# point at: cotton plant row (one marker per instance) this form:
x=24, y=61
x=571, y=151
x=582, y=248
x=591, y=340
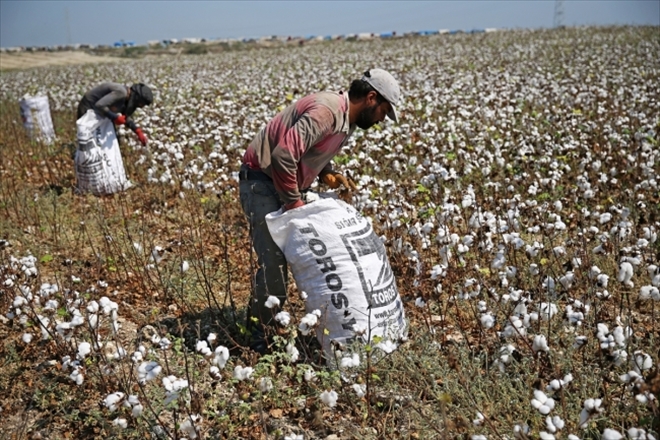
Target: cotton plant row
x=89, y=331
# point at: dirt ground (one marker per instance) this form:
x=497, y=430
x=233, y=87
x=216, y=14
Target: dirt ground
x=27, y=60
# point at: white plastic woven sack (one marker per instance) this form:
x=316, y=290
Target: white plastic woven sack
x=338, y=260
x=35, y=113
x=99, y=166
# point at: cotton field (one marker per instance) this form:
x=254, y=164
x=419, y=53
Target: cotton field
x=518, y=198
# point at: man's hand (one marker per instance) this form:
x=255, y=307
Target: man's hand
x=293, y=205
x=120, y=119
x=141, y=136
x=334, y=180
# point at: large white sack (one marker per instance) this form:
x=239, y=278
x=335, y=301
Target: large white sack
x=98, y=162
x=338, y=260
x=35, y=112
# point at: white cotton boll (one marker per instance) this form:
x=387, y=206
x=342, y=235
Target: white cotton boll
x=611, y=434
x=148, y=371
x=265, y=384
x=573, y=437
x=272, y=302
x=487, y=320
x=283, y=318
x=558, y=251
x=211, y=338
x=387, y=346
x=649, y=292
x=215, y=372
x=642, y=361
x=540, y=344
x=242, y=373
x=187, y=427
x=309, y=375
x=557, y=422
x=625, y=274
x=479, y=419
x=419, y=302
x=137, y=410
x=294, y=437
x=547, y=310
x=77, y=376
x=360, y=390
x=349, y=362
x=567, y=280
x=84, y=349
x=534, y=269
x=307, y=323
x=605, y=217
x=27, y=337
x=602, y=280
x=629, y=377
x=120, y=422
x=293, y=352
x=478, y=437
x=546, y=436
x=185, y=266
x=203, y=347
x=329, y=398
x=220, y=356
x=639, y=434
x=112, y=400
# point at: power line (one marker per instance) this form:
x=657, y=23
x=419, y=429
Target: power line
x=559, y=13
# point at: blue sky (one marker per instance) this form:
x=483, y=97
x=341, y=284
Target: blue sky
x=44, y=23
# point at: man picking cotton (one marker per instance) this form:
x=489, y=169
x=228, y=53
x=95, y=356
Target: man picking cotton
x=285, y=158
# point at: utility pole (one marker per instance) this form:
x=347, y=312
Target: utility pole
x=68, y=26
x=559, y=14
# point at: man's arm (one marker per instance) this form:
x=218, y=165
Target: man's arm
x=114, y=98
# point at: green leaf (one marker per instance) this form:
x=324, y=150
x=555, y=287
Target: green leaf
x=46, y=258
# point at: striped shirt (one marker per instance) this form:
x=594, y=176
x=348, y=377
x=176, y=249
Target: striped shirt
x=297, y=145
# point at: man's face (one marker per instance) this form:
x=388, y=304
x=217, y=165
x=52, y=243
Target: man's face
x=373, y=114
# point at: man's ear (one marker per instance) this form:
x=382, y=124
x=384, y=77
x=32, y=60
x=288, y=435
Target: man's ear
x=372, y=98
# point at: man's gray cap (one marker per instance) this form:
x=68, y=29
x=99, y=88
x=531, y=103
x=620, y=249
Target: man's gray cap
x=385, y=84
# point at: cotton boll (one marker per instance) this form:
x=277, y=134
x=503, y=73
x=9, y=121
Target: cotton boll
x=642, y=361
x=540, y=344
x=220, y=356
x=272, y=302
x=649, y=292
x=639, y=434
x=611, y=434
x=113, y=400
x=360, y=390
x=329, y=398
x=265, y=384
x=542, y=402
x=283, y=318
x=387, y=346
x=625, y=274
x=242, y=373
x=293, y=352
x=487, y=320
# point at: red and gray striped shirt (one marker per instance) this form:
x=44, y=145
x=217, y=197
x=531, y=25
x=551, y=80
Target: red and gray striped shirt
x=298, y=144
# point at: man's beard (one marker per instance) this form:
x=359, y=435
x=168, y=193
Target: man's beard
x=366, y=119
